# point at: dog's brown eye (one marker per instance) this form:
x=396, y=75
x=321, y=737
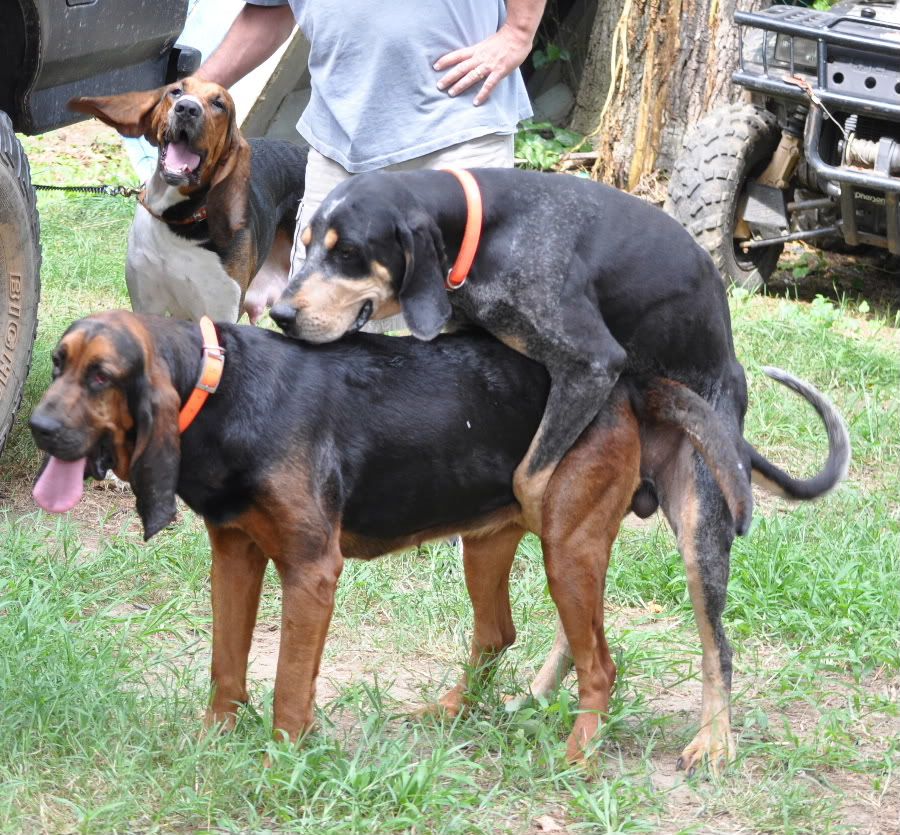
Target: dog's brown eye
x=98, y=379
x=219, y=104
x=176, y=92
x=57, y=366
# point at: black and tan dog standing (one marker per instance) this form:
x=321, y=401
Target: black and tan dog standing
x=589, y=281
x=308, y=455
x=212, y=234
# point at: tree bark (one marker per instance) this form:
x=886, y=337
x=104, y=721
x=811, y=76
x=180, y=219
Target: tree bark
x=653, y=69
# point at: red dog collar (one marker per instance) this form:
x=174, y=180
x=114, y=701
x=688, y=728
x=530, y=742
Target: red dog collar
x=210, y=375
x=459, y=273
x=196, y=217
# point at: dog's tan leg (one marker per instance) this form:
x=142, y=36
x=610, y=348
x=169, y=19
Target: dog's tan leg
x=308, y=589
x=530, y=488
x=588, y=496
x=272, y=277
x=584, y=361
x=238, y=567
x=704, y=529
x=487, y=562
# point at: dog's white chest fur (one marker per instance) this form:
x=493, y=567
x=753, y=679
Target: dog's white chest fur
x=167, y=274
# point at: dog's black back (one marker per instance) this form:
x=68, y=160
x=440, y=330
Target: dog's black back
x=278, y=179
x=401, y=435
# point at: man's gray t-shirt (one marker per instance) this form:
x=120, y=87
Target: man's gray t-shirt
x=375, y=100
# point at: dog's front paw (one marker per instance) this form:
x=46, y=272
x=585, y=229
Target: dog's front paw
x=450, y=705
x=223, y=721
x=586, y=728
x=112, y=482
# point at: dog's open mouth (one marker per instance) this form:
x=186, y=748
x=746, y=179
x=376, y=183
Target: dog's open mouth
x=178, y=160
x=60, y=485
x=365, y=313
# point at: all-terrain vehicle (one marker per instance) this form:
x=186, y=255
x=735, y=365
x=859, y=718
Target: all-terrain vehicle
x=49, y=52
x=814, y=155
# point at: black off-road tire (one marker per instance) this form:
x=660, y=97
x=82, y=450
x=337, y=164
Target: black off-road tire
x=729, y=146
x=20, y=269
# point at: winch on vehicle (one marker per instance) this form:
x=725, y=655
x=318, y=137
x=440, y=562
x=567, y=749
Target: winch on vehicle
x=814, y=156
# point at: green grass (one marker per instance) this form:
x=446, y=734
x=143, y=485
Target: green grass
x=104, y=668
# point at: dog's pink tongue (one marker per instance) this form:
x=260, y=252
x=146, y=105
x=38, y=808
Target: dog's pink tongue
x=60, y=485
x=180, y=159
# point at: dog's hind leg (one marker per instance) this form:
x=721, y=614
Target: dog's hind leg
x=238, y=567
x=554, y=669
x=586, y=500
x=584, y=362
x=699, y=515
x=487, y=560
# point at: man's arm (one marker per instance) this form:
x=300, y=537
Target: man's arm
x=495, y=57
x=255, y=35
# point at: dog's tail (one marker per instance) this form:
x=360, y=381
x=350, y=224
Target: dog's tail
x=668, y=402
x=777, y=481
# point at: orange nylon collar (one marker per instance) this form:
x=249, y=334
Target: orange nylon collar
x=210, y=375
x=459, y=273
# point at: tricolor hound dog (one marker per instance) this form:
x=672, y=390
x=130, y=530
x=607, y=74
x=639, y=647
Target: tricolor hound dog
x=212, y=234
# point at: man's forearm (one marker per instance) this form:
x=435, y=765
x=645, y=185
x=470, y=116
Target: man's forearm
x=524, y=16
x=255, y=35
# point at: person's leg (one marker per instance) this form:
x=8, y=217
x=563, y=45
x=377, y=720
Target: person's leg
x=491, y=151
x=322, y=175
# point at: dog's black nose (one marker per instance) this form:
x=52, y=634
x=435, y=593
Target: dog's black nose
x=43, y=427
x=283, y=315
x=186, y=107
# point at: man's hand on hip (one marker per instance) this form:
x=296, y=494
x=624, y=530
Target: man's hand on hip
x=488, y=61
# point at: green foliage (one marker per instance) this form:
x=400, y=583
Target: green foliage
x=539, y=145
x=549, y=55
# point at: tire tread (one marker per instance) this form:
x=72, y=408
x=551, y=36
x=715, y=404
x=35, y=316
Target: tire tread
x=708, y=172
x=12, y=156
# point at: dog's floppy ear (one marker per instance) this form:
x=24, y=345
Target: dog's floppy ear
x=423, y=296
x=155, y=462
x=228, y=198
x=131, y=114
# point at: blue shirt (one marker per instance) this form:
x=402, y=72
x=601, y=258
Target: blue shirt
x=375, y=100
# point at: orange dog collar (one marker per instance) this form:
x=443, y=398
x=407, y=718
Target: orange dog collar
x=210, y=375
x=459, y=273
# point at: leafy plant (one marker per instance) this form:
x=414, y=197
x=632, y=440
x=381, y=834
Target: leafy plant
x=539, y=145
x=553, y=53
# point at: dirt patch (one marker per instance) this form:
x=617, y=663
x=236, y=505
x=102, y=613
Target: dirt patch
x=870, y=274
x=91, y=146
x=403, y=680
x=106, y=510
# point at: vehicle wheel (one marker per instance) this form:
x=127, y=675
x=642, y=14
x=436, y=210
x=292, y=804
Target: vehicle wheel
x=20, y=265
x=728, y=147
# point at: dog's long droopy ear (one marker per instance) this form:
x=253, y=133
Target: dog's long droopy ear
x=153, y=473
x=131, y=114
x=423, y=296
x=228, y=200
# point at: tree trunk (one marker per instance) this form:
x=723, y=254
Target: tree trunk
x=654, y=68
